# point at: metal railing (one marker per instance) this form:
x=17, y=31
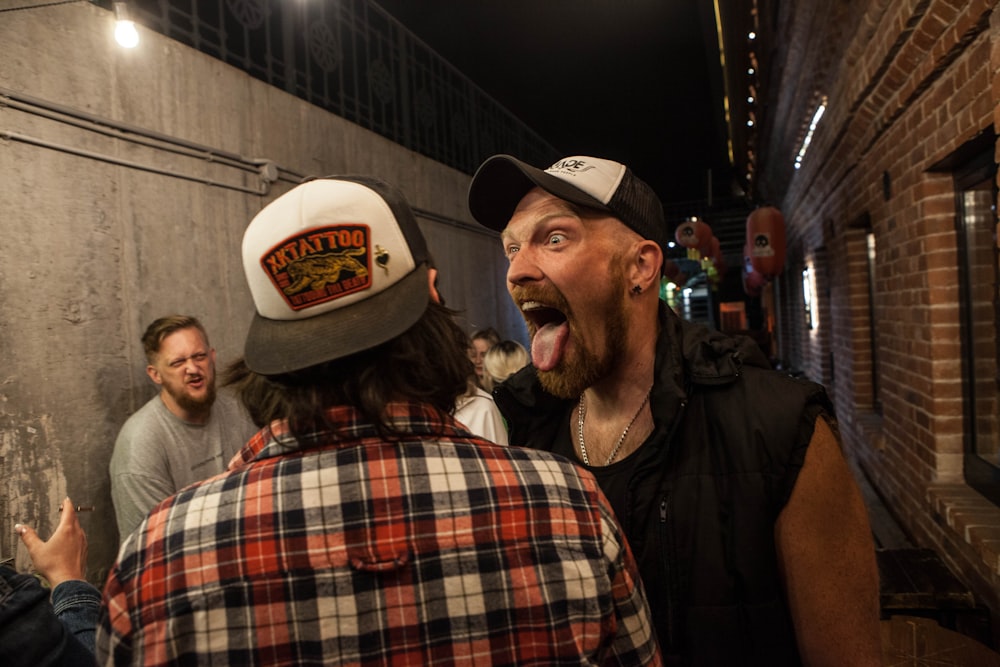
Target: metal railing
x=353, y=59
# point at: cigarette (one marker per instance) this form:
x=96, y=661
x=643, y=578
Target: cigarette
x=82, y=508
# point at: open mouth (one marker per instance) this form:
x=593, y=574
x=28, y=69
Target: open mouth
x=538, y=315
x=549, y=333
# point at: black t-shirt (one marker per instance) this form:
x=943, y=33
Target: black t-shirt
x=613, y=479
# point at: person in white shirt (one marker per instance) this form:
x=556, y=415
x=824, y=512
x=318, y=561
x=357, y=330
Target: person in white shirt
x=477, y=411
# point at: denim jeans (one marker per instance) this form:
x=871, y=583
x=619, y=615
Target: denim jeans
x=35, y=631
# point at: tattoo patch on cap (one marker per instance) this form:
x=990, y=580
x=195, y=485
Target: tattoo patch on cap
x=320, y=265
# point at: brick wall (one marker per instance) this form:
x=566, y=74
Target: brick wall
x=917, y=81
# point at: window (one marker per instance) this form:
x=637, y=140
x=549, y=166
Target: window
x=976, y=199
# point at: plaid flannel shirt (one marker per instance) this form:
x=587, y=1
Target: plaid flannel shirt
x=438, y=548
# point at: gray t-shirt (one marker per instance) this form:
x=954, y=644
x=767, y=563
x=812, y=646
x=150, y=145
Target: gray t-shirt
x=157, y=454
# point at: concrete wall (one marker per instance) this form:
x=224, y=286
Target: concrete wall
x=912, y=82
x=95, y=243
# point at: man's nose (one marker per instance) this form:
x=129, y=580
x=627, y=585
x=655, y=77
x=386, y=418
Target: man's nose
x=523, y=268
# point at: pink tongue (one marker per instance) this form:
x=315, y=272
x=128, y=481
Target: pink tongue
x=548, y=344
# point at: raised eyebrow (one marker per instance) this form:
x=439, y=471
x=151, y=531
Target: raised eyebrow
x=555, y=226
x=540, y=224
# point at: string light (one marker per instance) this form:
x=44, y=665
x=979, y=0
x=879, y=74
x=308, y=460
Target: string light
x=753, y=70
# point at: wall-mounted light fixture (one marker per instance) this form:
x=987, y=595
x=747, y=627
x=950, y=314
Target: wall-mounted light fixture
x=809, y=297
x=125, y=33
x=817, y=115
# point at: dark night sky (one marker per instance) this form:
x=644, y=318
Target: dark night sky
x=634, y=80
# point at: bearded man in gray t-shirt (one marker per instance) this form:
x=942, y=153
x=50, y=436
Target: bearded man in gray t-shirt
x=184, y=434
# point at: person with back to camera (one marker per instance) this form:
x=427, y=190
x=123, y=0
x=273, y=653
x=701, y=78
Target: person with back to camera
x=363, y=525
x=751, y=534
x=53, y=626
x=504, y=359
x=186, y=433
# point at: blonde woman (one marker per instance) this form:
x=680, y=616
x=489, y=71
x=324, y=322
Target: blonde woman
x=504, y=359
x=480, y=342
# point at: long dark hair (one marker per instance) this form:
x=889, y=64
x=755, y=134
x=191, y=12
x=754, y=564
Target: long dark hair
x=428, y=364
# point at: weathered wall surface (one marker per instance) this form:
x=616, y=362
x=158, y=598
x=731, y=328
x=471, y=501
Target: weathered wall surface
x=917, y=81
x=92, y=250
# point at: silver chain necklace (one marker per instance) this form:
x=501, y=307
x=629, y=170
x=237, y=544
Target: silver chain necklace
x=581, y=413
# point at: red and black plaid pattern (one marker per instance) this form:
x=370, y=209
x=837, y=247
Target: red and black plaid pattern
x=436, y=549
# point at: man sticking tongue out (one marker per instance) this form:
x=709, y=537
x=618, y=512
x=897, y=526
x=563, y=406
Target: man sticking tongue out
x=549, y=344
x=690, y=433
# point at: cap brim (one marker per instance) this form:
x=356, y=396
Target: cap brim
x=502, y=181
x=274, y=347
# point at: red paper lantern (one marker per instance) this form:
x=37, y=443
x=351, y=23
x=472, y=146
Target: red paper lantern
x=766, y=241
x=693, y=233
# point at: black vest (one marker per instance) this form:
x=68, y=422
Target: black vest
x=705, y=490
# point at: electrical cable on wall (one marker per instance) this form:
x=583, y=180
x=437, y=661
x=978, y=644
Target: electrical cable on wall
x=45, y=4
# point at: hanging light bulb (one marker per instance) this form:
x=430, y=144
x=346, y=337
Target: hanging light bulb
x=125, y=33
